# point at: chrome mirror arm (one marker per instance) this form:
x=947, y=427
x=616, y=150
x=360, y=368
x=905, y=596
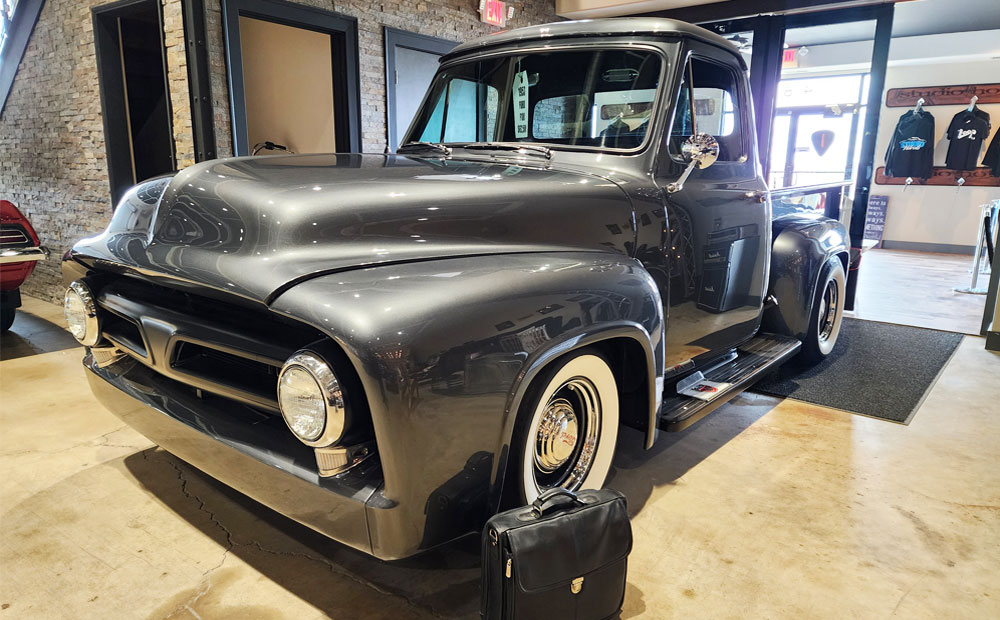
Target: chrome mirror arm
x=678, y=185
x=700, y=150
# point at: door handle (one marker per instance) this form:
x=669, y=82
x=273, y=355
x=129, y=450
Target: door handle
x=755, y=196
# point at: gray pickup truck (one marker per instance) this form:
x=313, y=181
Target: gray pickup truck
x=574, y=235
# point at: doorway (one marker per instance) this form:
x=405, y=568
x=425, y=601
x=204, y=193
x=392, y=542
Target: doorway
x=132, y=75
x=293, y=76
x=411, y=60
x=288, y=82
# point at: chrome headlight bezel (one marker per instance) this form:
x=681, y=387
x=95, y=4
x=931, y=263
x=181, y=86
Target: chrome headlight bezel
x=91, y=319
x=331, y=392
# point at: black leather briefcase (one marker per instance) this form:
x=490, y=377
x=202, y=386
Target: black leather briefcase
x=563, y=557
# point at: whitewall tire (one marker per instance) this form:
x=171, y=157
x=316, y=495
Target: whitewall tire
x=827, y=313
x=568, y=427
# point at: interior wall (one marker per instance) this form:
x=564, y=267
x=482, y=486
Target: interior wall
x=922, y=217
x=288, y=81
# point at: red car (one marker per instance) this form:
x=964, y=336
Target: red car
x=19, y=251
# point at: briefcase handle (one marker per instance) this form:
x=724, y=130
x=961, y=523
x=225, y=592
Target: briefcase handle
x=545, y=500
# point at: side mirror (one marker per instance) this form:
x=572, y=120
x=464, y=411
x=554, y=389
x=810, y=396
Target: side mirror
x=700, y=151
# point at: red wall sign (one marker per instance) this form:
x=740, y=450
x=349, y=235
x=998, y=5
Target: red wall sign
x=493, y=12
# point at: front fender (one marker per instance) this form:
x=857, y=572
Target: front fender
x=801, y=245
x=446, y=349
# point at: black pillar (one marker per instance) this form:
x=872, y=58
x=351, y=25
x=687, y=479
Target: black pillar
x=880, y=59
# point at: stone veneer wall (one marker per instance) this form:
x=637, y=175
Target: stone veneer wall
x=52, y=153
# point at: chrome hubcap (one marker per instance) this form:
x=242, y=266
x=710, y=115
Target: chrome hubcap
x=828, y=311
x=566, y=440
x=557, y=435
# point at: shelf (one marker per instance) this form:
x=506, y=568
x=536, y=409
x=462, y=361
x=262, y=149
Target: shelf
x=980, y=177
x=942, y=95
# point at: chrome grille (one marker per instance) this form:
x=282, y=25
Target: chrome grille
x=224, y=349
x=14, y=236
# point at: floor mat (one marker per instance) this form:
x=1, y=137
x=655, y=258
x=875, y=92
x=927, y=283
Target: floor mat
x=877, y=369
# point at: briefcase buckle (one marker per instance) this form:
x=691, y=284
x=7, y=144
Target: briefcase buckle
x=576, y=585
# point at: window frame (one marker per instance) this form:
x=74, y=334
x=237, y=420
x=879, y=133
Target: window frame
x=741, y=102
x=655, y=128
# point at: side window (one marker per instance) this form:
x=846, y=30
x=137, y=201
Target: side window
x=716, y=109
x=456, y=113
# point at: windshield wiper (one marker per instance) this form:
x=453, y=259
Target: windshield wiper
x=522, y=148
x=412, y=147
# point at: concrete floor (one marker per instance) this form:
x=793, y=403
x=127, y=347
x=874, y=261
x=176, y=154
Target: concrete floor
x=765, y=509
x=918, y=289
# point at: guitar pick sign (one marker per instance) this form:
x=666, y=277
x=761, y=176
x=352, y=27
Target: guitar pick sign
x=822, y=140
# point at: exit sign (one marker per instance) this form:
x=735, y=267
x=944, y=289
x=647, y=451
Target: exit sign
x=495, y=12
x=789, y=58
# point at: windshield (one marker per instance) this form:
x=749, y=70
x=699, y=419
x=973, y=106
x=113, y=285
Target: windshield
x=593, y=98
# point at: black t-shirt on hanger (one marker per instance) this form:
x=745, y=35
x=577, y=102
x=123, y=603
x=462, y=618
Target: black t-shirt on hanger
x=992, y=157
x=967, y=132
x=911, y=149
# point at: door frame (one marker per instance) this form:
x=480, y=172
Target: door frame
x=765, y=72
x=395, y=38
x=114, y=103
x=343, y=31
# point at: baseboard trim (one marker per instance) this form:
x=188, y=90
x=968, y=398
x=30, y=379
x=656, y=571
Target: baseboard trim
x=937, y=248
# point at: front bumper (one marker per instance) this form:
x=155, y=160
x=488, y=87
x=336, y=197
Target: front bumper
x=247, y=453
x=23, y=255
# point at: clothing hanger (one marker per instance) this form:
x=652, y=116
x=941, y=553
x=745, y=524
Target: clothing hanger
x=972, y=103
x=920, y=105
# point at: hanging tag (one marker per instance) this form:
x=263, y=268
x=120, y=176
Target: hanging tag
x=520, y=92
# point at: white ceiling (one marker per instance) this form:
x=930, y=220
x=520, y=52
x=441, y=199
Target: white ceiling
x=911, y=19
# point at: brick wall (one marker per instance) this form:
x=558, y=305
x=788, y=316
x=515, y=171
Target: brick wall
x=52, y=157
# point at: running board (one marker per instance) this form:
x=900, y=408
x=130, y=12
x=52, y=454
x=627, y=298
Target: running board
x=752, y=360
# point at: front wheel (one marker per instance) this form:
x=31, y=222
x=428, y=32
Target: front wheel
x=568, y=427
x=827, y=314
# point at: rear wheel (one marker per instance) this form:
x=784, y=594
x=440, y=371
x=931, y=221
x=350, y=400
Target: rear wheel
x=827, y=314
x=567, y=428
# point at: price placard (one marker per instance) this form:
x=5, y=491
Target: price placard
x=520, y=92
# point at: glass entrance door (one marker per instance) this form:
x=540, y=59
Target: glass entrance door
x=809, y=75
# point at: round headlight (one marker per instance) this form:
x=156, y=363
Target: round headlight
x=311, y=400
x=81, y=314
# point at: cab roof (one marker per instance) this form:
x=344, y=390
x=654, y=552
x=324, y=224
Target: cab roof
x=610, y=27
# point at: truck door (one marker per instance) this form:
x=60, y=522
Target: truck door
x=718, y=223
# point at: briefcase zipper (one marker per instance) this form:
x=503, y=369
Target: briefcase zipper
x=509, y=563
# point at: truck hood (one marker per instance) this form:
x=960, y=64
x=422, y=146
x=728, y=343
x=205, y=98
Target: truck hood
x=252, y=226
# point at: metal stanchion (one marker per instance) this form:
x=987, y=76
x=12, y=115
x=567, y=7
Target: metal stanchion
x=987, y=228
